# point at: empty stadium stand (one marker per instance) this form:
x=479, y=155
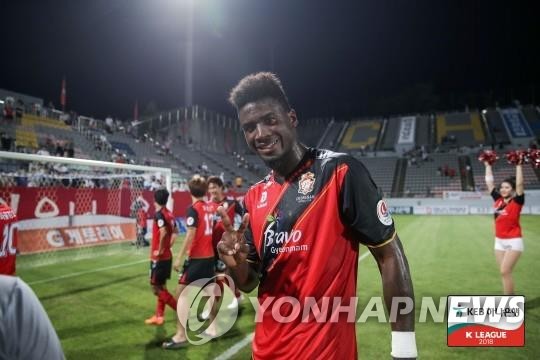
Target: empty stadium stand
x=390, y=133
x=496, y=126
x=464, y=127
x=361, y=135
x=423, y=179
x=381, y=170
x=423, y=129
x=533, y=118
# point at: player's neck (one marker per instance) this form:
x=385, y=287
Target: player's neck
x=195, y=199
x=284, y=166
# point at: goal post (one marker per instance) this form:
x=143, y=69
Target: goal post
x=75, y=208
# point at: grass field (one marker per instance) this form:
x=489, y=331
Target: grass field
x=98, y=305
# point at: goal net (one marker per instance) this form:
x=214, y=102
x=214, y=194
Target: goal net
x=76, y=208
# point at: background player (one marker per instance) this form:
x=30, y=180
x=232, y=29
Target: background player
x=326, y=204
x=164, y=229
x=234, y=210
x=509, y=200
x=8, y=243
x=197, y=245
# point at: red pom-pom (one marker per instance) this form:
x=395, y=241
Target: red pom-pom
x=517, y=157
x=488, y=156
x=534, y=158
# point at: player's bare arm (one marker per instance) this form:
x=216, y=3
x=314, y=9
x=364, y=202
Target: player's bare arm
x=396, y=280
x=233, y=251
x=190, y=235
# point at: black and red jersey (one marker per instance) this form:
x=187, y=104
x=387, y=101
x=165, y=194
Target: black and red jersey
x=507, y=215
x=304, y=234
x=199, y=216
x=234, y=211
x=8, y=240
x=163, y=218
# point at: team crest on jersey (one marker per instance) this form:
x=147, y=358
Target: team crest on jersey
x=383, y=214
x=305, y=185
x=262, y=201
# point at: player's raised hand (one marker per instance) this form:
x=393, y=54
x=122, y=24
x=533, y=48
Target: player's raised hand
x=232, y=248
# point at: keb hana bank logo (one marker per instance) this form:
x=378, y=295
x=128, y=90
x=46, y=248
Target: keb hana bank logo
x=486, y=321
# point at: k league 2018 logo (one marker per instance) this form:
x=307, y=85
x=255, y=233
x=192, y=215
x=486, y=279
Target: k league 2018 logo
x=486, y=321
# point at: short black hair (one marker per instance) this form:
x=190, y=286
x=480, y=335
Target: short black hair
x=215, y=180
x=197, y=186
x=258, y=86
x=511, y=180
x=161, y=196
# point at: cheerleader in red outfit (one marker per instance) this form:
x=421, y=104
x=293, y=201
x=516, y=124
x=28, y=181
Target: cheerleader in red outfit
x=509, y=199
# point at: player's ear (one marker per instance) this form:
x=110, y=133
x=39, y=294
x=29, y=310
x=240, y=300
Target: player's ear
x=293, y=118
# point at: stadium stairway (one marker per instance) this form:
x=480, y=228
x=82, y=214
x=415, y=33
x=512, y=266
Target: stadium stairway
x=398, y=180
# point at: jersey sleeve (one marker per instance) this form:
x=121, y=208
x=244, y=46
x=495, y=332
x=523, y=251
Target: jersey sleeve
x=160, y=219
x=520, y=199
x=495, y=195
x=192, y=218
x=362, y=207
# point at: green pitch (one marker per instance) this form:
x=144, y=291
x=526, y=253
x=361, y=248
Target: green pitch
x=98, y=304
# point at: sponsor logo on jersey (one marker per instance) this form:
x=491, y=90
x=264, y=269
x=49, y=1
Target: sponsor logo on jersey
x=160, y=223
x=383, y=214
x=282, y=241
x=305, y=185
x=190, y=221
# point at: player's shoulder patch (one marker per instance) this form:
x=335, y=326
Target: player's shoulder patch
x=383, y=213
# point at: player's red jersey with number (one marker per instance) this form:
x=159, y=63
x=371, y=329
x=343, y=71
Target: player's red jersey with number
x=304, y=233
x=8, y=244
x=199, y=216
x=162, y=219
x=234, y=211
x=507, y=216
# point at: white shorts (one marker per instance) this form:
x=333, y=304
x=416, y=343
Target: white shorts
x=515, y=244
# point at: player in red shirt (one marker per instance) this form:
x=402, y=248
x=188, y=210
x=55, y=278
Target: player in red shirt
x=509, y=200
x=301, y=236
x=163, y=232
x=8, y=244
x=141, y=226
x=197, y=246
x=234, y=210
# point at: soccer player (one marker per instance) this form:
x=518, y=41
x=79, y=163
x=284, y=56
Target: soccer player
x=199, y=263
x=163, y=232
x=8, y=242
x=301, y=235
x=234, y=211
x=509, y=200
x=141, y=225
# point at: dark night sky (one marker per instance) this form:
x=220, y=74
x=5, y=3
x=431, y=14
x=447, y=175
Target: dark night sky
x=338, y=58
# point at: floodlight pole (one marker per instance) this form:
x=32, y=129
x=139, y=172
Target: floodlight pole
x=188, y=81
